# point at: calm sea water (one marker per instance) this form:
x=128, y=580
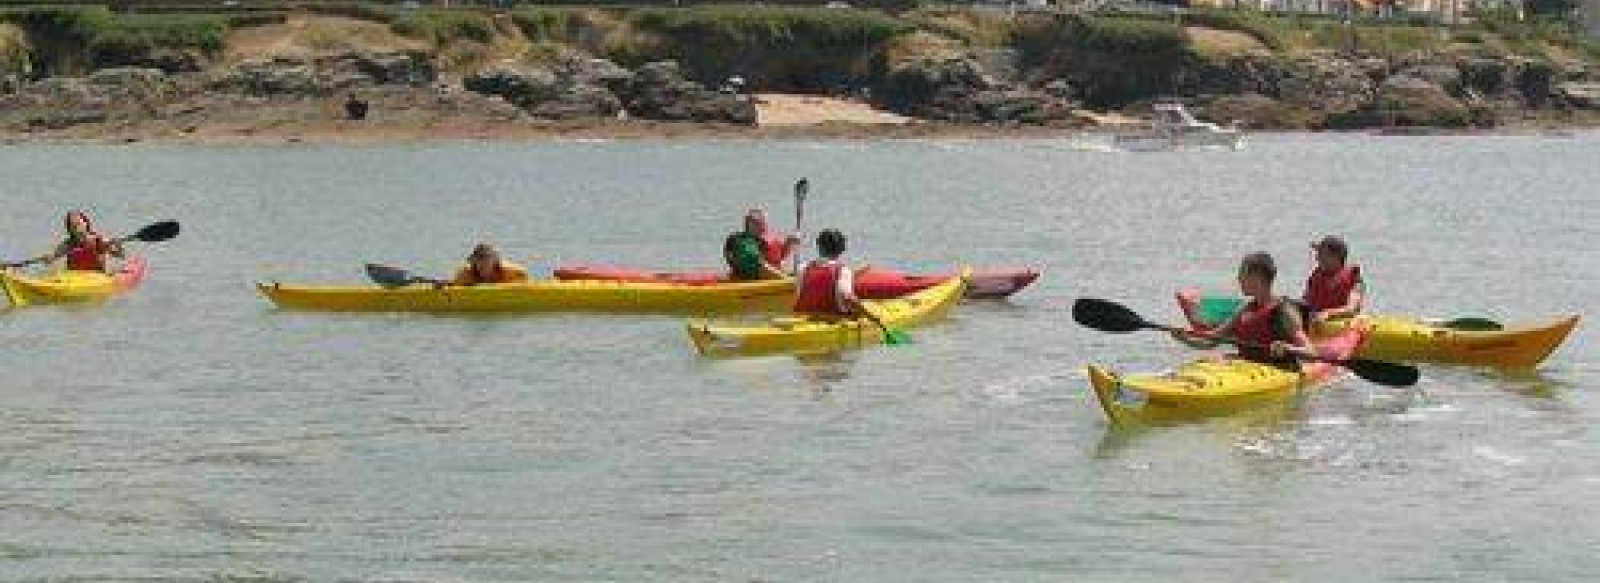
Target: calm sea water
x=190, y=432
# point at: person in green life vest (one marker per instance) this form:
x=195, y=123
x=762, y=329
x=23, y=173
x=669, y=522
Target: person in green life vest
x=746, y=251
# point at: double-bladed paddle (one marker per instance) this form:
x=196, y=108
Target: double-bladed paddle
x=387, y=276
x=152, y=233
x=1108, y=316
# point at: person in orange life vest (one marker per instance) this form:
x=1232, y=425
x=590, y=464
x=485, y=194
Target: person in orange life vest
x=1335, y=288
x=749, y=253
x=84, y=248
x=827, y=286
x=484, y=266
x=1265, y=320
x=774, y=245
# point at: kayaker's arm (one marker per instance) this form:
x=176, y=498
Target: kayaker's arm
x=1300, y=342
x=1351, y=307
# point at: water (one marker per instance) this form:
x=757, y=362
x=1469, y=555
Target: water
x=189, y=432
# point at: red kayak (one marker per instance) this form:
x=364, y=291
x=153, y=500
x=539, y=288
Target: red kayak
x=872, y=283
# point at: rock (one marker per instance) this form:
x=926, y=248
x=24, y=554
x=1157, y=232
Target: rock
x=519, y=85
x=579, y=101
x=958, y=89
x=1407, y=101
x=659, y=91
x=131, y=84
x=1446, y=77
x=60, y=120
x=1257, y=111
x=269, y=77
x=1579, y=94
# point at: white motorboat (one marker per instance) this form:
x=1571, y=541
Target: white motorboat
x=1172, y=127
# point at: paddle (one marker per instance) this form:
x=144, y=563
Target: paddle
x=801, y=188
x=1107, y=316
x=387, y=276
x=152, y=233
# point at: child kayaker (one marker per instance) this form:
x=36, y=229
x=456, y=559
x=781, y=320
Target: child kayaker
x=84, y=248
x=753, y=253
x=827, y=286
x=1271, y=324
x=1335, y=288
x=484, y=266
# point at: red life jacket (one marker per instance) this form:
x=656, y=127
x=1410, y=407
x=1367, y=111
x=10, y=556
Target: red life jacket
x=1326, y=290
x=89, y=256
x=1258, y=323
x=818, y=291
x=774, y=247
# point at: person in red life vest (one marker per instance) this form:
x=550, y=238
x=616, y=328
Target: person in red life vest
x=1265, y=320
x=827, y=287
x=84, y=248
x=775, y=246
x=1335, y=288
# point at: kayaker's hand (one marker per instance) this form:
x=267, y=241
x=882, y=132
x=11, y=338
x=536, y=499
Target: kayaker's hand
x=1320, y=316
x=1280, y=349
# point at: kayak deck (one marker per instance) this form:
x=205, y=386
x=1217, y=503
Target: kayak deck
x=808, y=335
x=537, y=297
x=71, y=287
x=871, y=283
x=1207, y=388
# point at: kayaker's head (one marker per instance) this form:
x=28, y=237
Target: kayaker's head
x=755, y=222
x=1331, y=252
x=1256, y=272
x=79, y=229
x=485, y=260
x=830, y=243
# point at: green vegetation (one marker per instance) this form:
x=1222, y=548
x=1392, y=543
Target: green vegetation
x=67, y=39
x=772, y=27
x=445, y=26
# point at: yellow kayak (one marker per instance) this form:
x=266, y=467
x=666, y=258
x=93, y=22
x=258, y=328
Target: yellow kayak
x=1403, y=339
x=802, y=334
x=71, y=287
x=1205, y=388
x=1409, y=340
x=537, y=297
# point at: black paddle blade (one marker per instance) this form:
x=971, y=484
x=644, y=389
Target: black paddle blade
x=1473, y=324
x=157, y=232
x=1383, y=373
x=388, y=276
x=1107, y=316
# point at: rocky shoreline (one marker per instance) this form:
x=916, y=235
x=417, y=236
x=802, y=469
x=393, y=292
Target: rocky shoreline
x=1056, y=84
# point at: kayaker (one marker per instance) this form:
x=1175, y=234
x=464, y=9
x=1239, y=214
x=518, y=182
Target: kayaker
x=1265, y=320
x=84, y=248
x=1335, y=288
x=827, y=286
x=749, y=252
x=484, y=266
x=774, y=245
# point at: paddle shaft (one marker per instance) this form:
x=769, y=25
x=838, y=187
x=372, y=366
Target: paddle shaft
x=800, y=190
x=45, y=258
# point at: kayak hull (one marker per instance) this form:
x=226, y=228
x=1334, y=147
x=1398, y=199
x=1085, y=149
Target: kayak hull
x=537, y=297
x=807, y=335
x=1402, y=339
x=1210, y=388
x=871, y=283
x=72, y=287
